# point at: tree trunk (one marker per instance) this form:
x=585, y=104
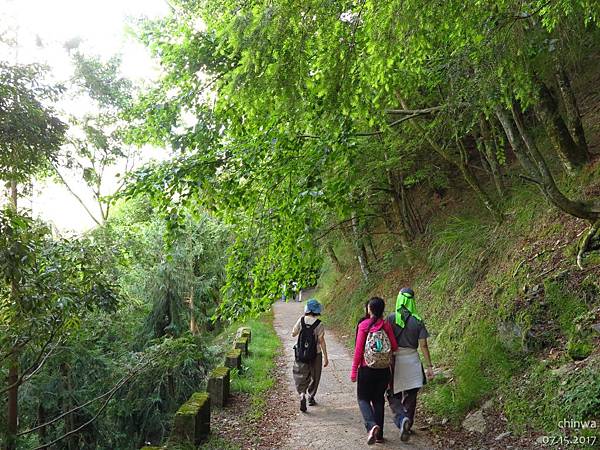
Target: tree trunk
x=388, y=219
x=171, y=391
x=473, y=182
x=333, y=257
x=13, y=194
x=67, y=405
x=396, y=202
x=462, y=165
x=371, y=247
x=363, y=260
x=569, y=153
x=490, y=155
x=415, y=216
x=515, y=141
x=13, y=403
x=13, y=369
x=589, y=210
x=193, y=324
x=400, y=195
x=571, y=109
x=41, y=418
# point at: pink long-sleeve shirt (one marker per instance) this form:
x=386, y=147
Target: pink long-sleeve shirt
x=361, y=338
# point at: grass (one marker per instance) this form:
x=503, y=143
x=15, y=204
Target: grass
x=218, y=443
x=256, y=377
x=543, y=398
x=479, y=366
x=472, y=278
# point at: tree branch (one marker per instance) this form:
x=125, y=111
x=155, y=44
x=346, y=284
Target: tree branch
x=110, y=393
x=17, y=347
x=339, y=224
x=416, y=111
x=530, y=179
x=392, y=124
x=36, y=366
x=78, y=429
x=77, y=197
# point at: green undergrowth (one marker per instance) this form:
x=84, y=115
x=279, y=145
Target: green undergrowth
x=545, y=396
x=498, y=299
x=256, y=376
x=218, y=443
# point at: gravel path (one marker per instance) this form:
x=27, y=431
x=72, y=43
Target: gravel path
x=335, y=423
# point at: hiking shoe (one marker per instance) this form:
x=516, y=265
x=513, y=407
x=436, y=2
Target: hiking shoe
x=303, y=404
x=404, y=432
x=311, y=401
x=380, y=440
x=372, y=437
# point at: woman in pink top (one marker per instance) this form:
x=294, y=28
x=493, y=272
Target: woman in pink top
x=372, y=383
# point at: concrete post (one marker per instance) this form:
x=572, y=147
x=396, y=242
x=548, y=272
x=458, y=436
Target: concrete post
x=192, y=421
x=218, y=386
x=233, y=359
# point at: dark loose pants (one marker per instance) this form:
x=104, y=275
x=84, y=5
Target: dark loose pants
x=308, y=375
x=371, y=385
x=404, y=404
x=372, y=412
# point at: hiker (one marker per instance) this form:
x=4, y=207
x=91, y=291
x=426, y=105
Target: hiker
x=375, y=342
x=283, y=292
x=310, y=352
x=408, y=374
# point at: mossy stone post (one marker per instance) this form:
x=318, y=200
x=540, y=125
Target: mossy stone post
x=242, y=344
x=192, y=421
x=233, y=359
x=218, y=386
x=245, y=332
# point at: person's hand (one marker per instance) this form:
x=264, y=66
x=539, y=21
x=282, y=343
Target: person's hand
x=429, y=373
x=325, y=362
x=353, y=379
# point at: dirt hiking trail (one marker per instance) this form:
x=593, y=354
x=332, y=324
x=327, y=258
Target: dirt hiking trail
x=336, y=422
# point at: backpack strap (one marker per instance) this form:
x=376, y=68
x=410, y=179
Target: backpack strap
x=312, y=327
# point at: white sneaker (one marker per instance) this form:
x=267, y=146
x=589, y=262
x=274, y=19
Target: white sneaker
x=404, y=432
x=372, y=437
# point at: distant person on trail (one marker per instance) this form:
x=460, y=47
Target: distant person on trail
x=409, y=377
x=295, y=291
x=310, y=352
x=283, y=292
x=375, y=342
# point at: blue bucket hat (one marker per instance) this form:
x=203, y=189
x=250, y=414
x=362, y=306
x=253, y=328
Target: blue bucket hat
x=312, y=306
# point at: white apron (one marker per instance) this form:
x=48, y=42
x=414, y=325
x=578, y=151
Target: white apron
x=408, y=373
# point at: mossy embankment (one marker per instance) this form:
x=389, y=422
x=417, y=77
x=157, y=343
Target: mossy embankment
x=509, y=311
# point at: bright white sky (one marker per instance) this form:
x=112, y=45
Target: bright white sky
x=102, y=25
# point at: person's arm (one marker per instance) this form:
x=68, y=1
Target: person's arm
x=425, y=350
x=390, y=333
x=324, y=350
x=296, y=329
x=359, y=347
